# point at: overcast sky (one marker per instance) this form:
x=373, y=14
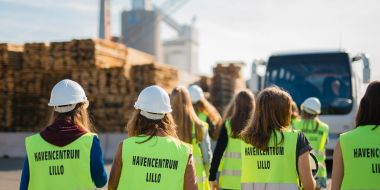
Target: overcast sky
x=228, y=29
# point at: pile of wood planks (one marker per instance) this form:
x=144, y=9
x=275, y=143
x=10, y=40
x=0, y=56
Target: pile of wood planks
x=149, y=74
x=10, y=62
x=111, y=78
x=10, y=56
x=225, y=83
x=6, y=112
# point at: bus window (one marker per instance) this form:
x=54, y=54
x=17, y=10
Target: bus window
x=325, y=76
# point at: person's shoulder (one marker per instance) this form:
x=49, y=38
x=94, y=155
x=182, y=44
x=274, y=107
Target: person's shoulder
x=180, y=145
x=351, y=132
x=324, y=125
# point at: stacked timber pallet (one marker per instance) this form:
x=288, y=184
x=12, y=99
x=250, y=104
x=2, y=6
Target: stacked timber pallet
x=36, y=56
x=97, y=65
x=227, y=81
x=113, y=95
x=10, y=62
x=110, y=77
x=150, y=74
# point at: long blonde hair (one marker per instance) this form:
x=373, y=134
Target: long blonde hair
x=273, y=113
x=184, y=115
x=140, y=125
x=79, y=116
x=207, y=108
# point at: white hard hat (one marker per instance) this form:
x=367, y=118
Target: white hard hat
x=311, y=105
x=65, y=95
x=153, y=102
x=196, y=93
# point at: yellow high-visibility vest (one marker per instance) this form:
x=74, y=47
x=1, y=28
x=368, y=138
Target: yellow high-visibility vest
x=361, y=158
x=272, y=168
x=158, y=163
x=53, y=167
x=230, y=170
x=200, y=170
x=317, y=139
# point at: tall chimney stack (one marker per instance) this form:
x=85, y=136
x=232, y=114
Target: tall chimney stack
x=104, y=20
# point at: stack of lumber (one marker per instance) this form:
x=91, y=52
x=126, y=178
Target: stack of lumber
x=36, y=56
x=30, y=113
x=100, y=53
x=227, y=81
x=7, y=81
x=111, y=78
x=154, y=73
x=5, y=112
x=10, y=62
x=113, y=97
x=10, y=56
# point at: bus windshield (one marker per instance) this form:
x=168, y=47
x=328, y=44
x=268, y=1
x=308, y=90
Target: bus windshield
x=326, y=76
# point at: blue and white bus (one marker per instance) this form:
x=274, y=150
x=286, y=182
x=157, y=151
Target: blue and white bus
x=332, y=76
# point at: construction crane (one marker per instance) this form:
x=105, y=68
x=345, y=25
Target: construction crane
x=141, y=30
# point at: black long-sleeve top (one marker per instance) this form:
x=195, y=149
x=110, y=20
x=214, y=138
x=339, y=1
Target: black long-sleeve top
x=221, y=146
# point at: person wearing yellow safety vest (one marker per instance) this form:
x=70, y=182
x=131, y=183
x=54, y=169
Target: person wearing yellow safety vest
x=192, y=130
x=65, y=154
x=227, y=154
x=295, y=115
x=317, y=133
x=357, y=153
x=205, y=111
x=273, y=155
x=152, y=157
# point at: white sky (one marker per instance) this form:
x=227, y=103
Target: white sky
x=228, y=29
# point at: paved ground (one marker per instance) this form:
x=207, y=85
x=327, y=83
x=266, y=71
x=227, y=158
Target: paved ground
x=10, y=172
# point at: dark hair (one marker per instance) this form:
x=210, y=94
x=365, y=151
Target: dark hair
x=239, y=111
x=272, y=113
x=369, y=108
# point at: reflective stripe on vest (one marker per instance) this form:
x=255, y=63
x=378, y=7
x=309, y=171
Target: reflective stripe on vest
x=361, y=158
x=226, y=172
x=53, y=167
x=317, y=139
x=277, y=165
x=230, y=170
x=200, y=171
x=159, y=163
x=268, y=186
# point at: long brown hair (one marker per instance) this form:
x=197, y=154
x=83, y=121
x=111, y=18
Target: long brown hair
x=295, y=111
x=140, y=125
x=79, y=116
x=369, y=108
x=207, y=108
x=185, y=116
x=273, y=110
x=239, y=111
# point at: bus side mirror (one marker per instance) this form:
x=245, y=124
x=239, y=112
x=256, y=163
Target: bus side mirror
x=366, y=66
x=366, y=69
